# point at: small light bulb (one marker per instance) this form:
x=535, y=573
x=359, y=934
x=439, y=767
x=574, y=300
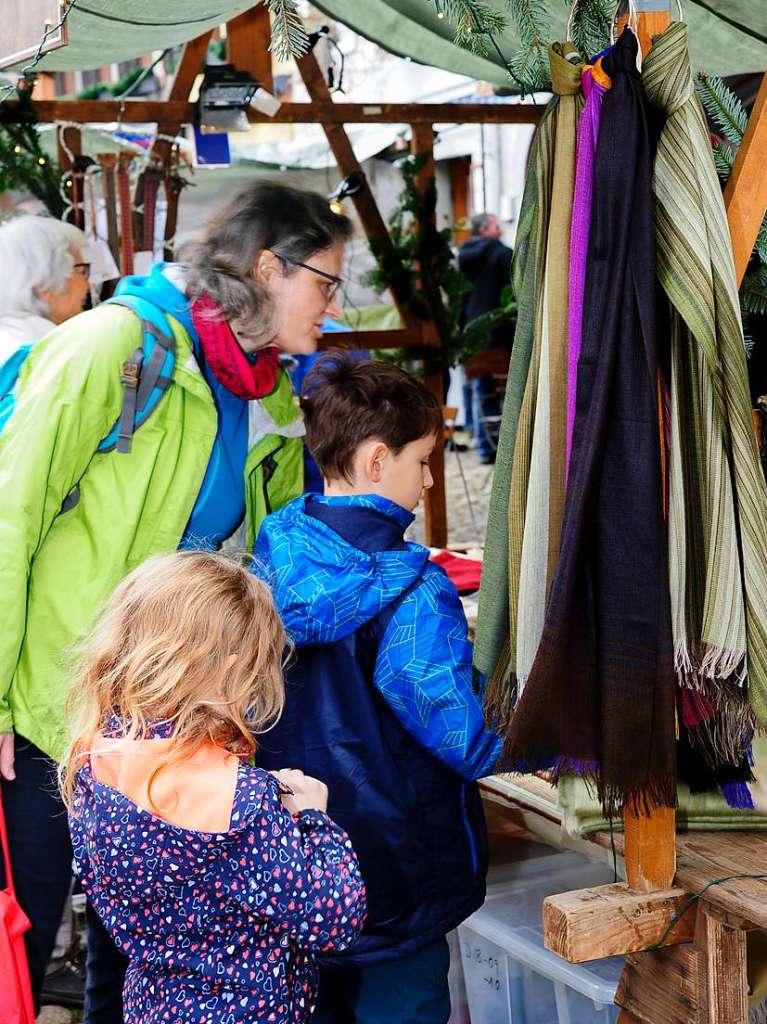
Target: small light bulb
x=17, y=149
x=336, y=207
x=69, y=184
x=41, y=160
x=440, y=14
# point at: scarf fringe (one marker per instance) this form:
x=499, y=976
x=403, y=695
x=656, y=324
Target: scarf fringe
x=738, y=795
x=699, y=665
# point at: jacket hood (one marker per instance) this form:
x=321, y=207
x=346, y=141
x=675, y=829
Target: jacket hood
x=158, y=288
x=473, y=254
x=325, y=586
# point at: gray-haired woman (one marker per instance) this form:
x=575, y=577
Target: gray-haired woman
x=75, y=519
x=43, y=279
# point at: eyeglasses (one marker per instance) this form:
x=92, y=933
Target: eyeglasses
x=331, y=289
x=83, y=269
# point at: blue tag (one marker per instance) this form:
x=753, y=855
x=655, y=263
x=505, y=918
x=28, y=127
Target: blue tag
x=212, y=148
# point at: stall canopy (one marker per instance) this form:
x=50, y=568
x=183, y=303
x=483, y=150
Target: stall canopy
x=727, y=36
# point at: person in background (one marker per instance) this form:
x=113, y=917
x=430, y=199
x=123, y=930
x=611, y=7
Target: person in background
x=43, y=279
x=380, y=698
x=222, y=445
x=219, y=881
x=486, y=262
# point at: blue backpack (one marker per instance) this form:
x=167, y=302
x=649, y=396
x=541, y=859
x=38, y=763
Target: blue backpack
x=146, y=376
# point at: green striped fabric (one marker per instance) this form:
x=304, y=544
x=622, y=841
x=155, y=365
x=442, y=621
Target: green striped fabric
x=717, y=493
x=491, y=651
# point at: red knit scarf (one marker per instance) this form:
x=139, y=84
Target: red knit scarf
x=227, y=360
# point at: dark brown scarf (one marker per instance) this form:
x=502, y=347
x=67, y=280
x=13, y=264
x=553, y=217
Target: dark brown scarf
x=600, y=697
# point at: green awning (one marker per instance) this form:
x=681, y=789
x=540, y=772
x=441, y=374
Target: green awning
x=727, y=37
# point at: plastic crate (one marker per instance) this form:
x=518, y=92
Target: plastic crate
x=510, y=977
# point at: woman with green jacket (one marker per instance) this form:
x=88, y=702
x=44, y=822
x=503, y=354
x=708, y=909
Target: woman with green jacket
x=91, y=485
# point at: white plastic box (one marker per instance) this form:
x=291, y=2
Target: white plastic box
x=510, y=977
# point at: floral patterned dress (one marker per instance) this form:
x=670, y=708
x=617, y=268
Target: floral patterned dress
x=221, y=927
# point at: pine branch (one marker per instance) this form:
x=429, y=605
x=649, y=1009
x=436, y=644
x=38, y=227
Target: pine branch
x=289, y=38
x=474, y=23
x=531, y=62
x=590, y=26
x=723, y=107
x=753, y=292
x=723, y=159
x=760, y=246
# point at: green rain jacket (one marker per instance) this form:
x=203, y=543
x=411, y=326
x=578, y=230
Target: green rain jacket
x=58, y=568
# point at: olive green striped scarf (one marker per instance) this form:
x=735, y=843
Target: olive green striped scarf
x=717, y=495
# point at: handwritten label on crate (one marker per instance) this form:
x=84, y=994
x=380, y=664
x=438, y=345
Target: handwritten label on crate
x=485, y=962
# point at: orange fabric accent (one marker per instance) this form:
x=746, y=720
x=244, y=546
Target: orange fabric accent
x=600, y=75
x=196, y=793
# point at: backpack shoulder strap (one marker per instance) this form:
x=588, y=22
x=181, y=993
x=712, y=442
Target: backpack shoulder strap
x=147, y=375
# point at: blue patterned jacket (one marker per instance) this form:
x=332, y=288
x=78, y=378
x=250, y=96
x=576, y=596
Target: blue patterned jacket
x=381, y=706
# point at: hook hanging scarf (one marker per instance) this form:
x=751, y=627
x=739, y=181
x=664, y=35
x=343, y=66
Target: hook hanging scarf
x=246, y=378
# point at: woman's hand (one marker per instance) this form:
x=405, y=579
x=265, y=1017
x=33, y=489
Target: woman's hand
x=6, y=756
x=301, y=792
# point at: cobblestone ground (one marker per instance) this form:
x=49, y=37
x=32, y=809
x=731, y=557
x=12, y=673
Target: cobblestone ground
x=462, y=499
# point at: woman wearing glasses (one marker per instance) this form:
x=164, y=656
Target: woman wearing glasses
x=220, y=444
x=43, y=279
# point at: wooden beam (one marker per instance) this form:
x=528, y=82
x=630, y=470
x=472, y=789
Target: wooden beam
x=726, y=976
x=612, y=920
x=138, y=111
x=664, y=987
x=435, y=500
x=343, y=153
x=402, y=337
x=745, y=196
x=247, y=44
x=171, y=117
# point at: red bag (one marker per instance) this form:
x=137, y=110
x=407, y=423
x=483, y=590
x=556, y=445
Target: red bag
x=16, y=1003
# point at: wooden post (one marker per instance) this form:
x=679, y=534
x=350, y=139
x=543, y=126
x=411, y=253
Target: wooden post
x=745, y=196
x=70, y=141
x=726, y=978
x=343, y=153
x=650, y=837
x=247, y=44
x=435, y=502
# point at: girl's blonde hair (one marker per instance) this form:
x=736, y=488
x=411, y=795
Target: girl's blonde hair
x=191, y=638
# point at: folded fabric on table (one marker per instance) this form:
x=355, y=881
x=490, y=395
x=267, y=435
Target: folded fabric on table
x=464, y=573
x=582, y=814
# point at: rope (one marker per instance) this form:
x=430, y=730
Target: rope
x=677, y=915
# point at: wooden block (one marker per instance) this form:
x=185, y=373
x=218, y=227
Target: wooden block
x=650, y=848
x=612, y=920
x=726, y=977
x=668, y=985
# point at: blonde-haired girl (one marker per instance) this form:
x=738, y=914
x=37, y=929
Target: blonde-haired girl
x=218, y=880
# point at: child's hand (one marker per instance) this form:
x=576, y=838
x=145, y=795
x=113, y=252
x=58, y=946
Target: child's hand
x=305, y=793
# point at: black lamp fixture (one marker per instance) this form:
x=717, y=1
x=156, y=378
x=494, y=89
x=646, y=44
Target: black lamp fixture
x=225, y=94
x=350, y=186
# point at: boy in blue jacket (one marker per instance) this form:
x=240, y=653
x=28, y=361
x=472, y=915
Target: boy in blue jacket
x=380, y=700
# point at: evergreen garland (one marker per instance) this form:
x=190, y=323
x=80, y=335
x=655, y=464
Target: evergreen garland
x=24, y=165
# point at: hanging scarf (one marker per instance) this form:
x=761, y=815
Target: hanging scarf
x=492, y=653
x=539, y=459
x=246, y=378
x=595, y=85
x=718, y=502
x=600, y=696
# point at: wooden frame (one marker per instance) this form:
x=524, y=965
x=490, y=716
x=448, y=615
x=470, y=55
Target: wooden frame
x=248, y=37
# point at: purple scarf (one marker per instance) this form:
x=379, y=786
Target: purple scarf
x=588, y=136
